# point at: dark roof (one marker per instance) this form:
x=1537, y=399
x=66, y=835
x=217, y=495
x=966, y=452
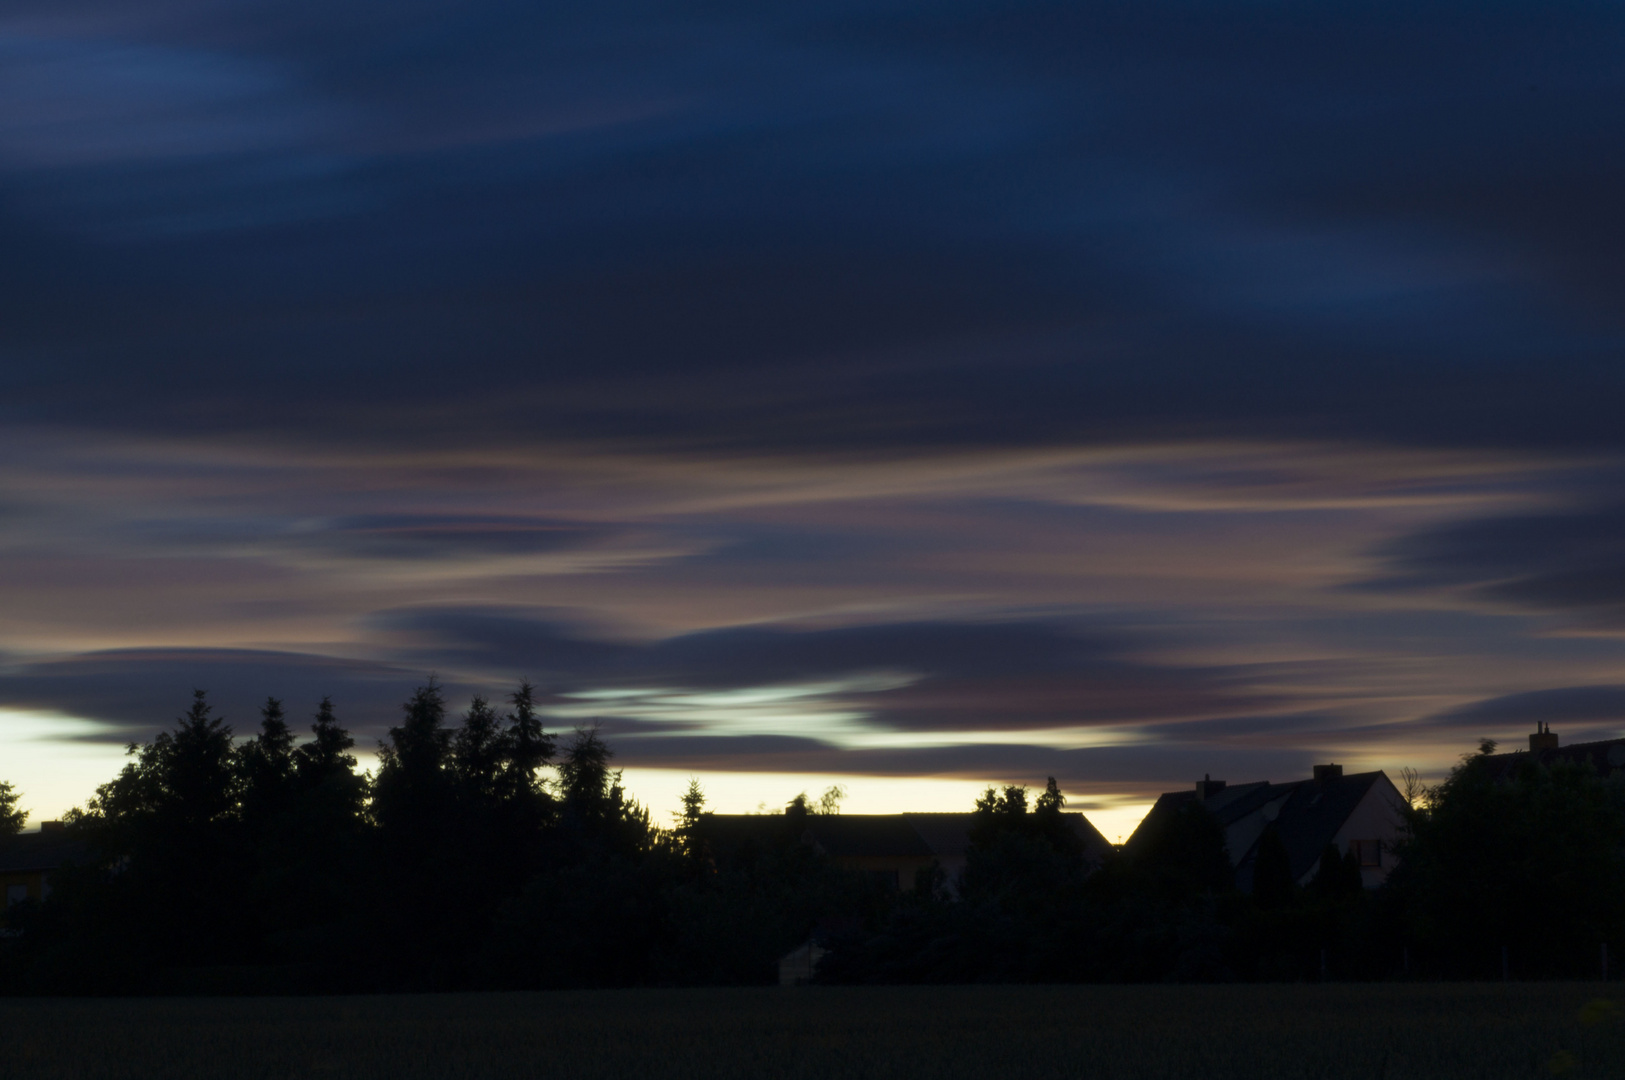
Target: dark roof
x=942, y=836
x=1606, y=756
x=948, y=835
x=1308, y=820
x=1227, y=806
x=39, y=851
x=859, y=835
x=1312, y=815
x=731, y=834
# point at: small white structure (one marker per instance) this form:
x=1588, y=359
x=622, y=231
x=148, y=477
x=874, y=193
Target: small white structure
x=798, y=966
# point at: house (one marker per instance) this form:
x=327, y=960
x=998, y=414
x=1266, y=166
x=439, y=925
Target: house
x=28, y=860
x=1360, y=812
x=890, y=848
x=886, y=848
x=1606, y=756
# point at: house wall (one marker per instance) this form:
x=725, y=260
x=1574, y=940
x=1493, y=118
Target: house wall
x=1377, y=817
x=905, y=867
x=799, y=965
x=953, y=867
x=32, y=882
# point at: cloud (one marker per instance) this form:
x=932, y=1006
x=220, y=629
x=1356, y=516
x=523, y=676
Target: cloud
x=67, y=102
x=135, y=693
x=1568, y=707
x=1571, y=562
x=127, y=139
x=440, y=536
x=891, y=684
x=899, y=682
x=1142, y=767
x=855, y=372
x=680, y=225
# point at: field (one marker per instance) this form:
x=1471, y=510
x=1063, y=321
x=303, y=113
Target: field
x=1436, y=1032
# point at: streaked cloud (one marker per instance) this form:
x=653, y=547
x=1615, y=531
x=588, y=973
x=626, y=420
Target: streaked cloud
x=968, y=391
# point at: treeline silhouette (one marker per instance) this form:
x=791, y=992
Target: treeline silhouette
x=481, y=855
x=484, y=854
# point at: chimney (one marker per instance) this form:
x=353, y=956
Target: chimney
x=1328, y=772
x=50, y=826
x=1542, y=738
x=1208, y=786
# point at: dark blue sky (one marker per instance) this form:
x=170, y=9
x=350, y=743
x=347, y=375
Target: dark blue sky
x=1088, y=388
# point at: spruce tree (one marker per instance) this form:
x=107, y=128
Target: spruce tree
x=479, y=752
x=530, y=748
x=12, y=816
x=267, y=764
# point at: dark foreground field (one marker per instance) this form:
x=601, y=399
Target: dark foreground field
x=1437, y=1032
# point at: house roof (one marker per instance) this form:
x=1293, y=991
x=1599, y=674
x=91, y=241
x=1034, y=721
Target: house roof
x=867, y=835
x=1607, y=756
x=1313, y=812
x=940, y=836
x=948, y=835
x=1306, y=814
x=39, y=851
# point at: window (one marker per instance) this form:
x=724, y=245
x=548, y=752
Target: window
x=16, y=894
x=1369, y=852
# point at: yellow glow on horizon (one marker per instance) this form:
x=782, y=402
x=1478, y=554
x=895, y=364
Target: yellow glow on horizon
x=1118, y=821
x=749, y=793
x=54, y=760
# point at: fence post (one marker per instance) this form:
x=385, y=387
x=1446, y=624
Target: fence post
x=1506, y=973
x=1605, y=961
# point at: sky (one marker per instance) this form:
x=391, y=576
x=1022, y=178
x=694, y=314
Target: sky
x=911, y=396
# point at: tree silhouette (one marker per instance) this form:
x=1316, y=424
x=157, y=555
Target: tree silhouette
x=267, y=765
x=1183, y=852
x=1273, y=885
x=479, y=753
x=587, y=788
x=1337, y=874
x=413, y=785
x=327, y=751
x=530, y=747
x=12, y=816
x=169, y=824
x=1528, y=858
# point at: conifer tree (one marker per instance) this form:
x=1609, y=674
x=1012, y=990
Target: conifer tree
x=530, y=748
x=412, y=786
x=585, y=779
x=688, y=817
x=479, y=752
x=328, y=754
x=12, y=816
x=267, y=764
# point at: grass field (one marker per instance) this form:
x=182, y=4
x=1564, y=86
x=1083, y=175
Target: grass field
x=1427, y=1032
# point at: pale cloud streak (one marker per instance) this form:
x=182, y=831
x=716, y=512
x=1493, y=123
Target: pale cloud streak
x=1215, y=574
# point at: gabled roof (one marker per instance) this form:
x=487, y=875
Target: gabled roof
x=1309, y=819
x=1228, y=805
x=1306, y=814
